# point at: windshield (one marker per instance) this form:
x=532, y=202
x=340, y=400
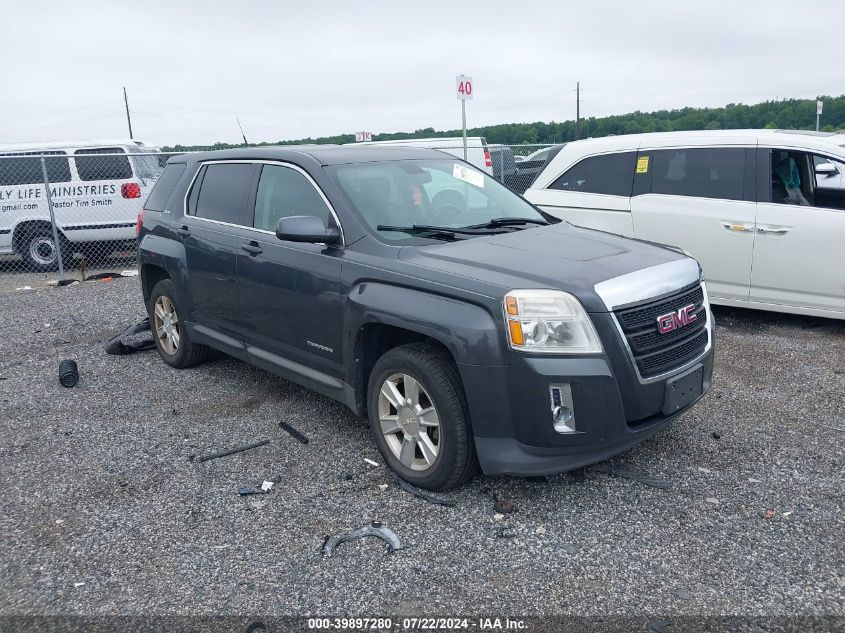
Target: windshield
x=442, y=193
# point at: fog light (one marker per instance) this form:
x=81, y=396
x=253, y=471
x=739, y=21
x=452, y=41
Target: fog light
x=563, y=409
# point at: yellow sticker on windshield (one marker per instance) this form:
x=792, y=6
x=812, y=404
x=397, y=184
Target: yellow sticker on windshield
x=642, y=165
x=467, y=174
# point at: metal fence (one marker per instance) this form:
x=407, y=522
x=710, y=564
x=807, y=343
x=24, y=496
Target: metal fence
x=69, y=215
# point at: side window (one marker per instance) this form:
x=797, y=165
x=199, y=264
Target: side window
x=164, y=186
x=284, y=192
x=102, y=163
x=792, y=177
x=222, y=191
x=609, y=174
x=26, y=170
x=708, y=172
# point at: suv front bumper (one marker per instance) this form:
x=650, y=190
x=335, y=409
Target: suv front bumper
x=511, y=412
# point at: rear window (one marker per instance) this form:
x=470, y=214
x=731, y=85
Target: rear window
x=24, y=168
x=707, y=172
x=102, y=163
x=222, y=192
x=165, y=186
x=609, y=174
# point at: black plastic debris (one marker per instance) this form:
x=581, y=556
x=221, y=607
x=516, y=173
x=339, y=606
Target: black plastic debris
x=121, y=345
x=68, y=373
x=299, y=437
x=240, y=449
x=616, y=471
x=375, y=529
x=503, y=506
x=419, y=494
x=505, y=532
x=716, y=435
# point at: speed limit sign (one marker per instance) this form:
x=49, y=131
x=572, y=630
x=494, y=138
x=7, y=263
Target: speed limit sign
x=463, y=84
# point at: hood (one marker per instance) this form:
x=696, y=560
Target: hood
x=560, y=256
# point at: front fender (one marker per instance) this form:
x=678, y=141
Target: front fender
x=467, y=330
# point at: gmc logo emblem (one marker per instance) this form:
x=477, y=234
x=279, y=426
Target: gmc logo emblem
x=674, y=320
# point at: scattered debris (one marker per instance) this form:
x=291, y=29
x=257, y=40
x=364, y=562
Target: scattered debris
x=78, y=584
x=712, y=500
x=504, y=506
x=716, y=435
x=629, y=474
x=68, y=373
x=569, y=549
x=118, y=346
x=267, y=485
x=299, y=437
x=769, y=514
x=103, y=276
x=129, y=273
x=240, y=449
x=498, y=517
x=24, y=288
x=505, y=532
x=540, y=530
x=751, y=480
x=660, y=626
x=419, y=494
x=702, y=469
x=370, y=462
x=382, y=487
x=683, y=594
x=786, y=514
x=374, y=529
x=250, y=490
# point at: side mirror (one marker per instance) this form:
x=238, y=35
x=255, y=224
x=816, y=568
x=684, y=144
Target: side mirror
x=826, y=169
x=306, y=228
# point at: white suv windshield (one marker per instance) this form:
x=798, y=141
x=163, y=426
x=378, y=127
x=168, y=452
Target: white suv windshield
x=442, y=193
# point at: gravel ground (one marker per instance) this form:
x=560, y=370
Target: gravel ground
x=98, y=488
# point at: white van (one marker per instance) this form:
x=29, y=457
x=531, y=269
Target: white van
x=97, y=188
x=477, y=152
x=748, y=204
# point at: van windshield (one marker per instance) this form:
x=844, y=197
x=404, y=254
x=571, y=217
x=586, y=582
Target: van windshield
x=397, y=198
x=147, y=165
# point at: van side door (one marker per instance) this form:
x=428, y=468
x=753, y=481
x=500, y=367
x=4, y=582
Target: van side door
x=798, y=255
x=701, y=199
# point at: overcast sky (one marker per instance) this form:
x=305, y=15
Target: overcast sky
x=296, y=69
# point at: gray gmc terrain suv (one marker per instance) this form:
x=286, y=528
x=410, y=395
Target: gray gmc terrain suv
x=468, y=326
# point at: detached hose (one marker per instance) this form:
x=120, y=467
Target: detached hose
x=68, y=373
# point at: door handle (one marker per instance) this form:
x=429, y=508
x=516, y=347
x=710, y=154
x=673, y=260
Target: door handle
x=183, y=231
x=738, y=227
x=772, y=230
x=252, y=248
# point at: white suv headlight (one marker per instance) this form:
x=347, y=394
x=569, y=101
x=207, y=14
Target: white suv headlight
x=549, y=321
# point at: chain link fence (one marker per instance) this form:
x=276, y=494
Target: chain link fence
x=71, y=214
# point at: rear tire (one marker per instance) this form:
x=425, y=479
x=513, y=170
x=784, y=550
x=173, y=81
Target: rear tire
x=419, y=417
x=38, y=249
x=169, y=332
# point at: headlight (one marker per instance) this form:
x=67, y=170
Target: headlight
x=549, y=321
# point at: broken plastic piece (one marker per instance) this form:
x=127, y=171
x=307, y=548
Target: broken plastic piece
x=266, y=486
x=370, y=462
x=425, y=496
x=250, y=490
x=629, y=474
x=240, y=449
x=299, y=437
x=375, y=529
x=118, y=347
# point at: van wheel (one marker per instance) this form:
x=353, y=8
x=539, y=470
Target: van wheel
x=169, y=332
x=38, y=249
x=418, y=417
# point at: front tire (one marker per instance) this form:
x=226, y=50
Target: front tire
x=419, y=417
x=169, y=332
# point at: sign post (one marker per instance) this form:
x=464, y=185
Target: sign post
x=463, y=85
x=363, y=137
x=819, y=108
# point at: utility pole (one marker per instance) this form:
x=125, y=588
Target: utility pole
x=577, y=110
x=128, y=120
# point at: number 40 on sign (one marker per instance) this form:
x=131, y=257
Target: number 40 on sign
x=464, y=87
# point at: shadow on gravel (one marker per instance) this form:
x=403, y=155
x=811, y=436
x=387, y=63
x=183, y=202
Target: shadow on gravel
x=755, y=321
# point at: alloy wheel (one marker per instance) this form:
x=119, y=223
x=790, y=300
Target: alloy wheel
x=167, y=326
x=409, y=422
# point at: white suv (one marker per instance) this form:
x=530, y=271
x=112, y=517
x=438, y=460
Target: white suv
x=748, y=204
x=97, y=188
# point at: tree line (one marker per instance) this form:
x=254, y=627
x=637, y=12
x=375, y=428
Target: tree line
x=797, y=114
